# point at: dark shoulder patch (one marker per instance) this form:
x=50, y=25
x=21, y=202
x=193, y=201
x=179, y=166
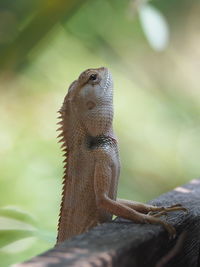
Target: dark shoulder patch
x=99, y=141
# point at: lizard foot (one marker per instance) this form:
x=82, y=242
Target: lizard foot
x=152, y=220
x=150, y=214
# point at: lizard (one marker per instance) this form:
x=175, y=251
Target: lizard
x=91, y=161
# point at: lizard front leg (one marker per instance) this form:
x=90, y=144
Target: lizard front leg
x=102, y=183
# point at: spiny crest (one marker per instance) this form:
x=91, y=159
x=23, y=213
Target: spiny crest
x=62, y=140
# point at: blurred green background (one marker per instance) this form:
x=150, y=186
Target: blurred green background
x=153, y=51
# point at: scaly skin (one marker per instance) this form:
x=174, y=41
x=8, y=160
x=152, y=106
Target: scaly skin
x=92, y=162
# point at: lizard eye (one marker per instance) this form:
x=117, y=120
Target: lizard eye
x=93, y=77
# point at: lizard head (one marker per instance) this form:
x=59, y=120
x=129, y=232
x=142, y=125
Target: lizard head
x=91, y=99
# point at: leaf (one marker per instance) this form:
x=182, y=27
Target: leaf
x=19, y=245
x=12, y=224
x=16, y=225
x=18, y=214
x=155, y=27
x=9, y=236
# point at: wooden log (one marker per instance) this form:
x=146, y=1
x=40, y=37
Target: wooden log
x=124, y=243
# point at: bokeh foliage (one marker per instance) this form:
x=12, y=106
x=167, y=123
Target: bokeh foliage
x=44, y=45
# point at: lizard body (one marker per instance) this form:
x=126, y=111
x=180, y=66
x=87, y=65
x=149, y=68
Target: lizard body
x=92, y=166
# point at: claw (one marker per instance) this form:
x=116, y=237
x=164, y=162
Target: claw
x=155, y=212
x=170, y=229
x=176, y=207
x=159, y=211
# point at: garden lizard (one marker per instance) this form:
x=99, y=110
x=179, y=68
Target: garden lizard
x=92, y=166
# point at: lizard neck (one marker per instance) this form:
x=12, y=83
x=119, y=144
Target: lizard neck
x=110, y=133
